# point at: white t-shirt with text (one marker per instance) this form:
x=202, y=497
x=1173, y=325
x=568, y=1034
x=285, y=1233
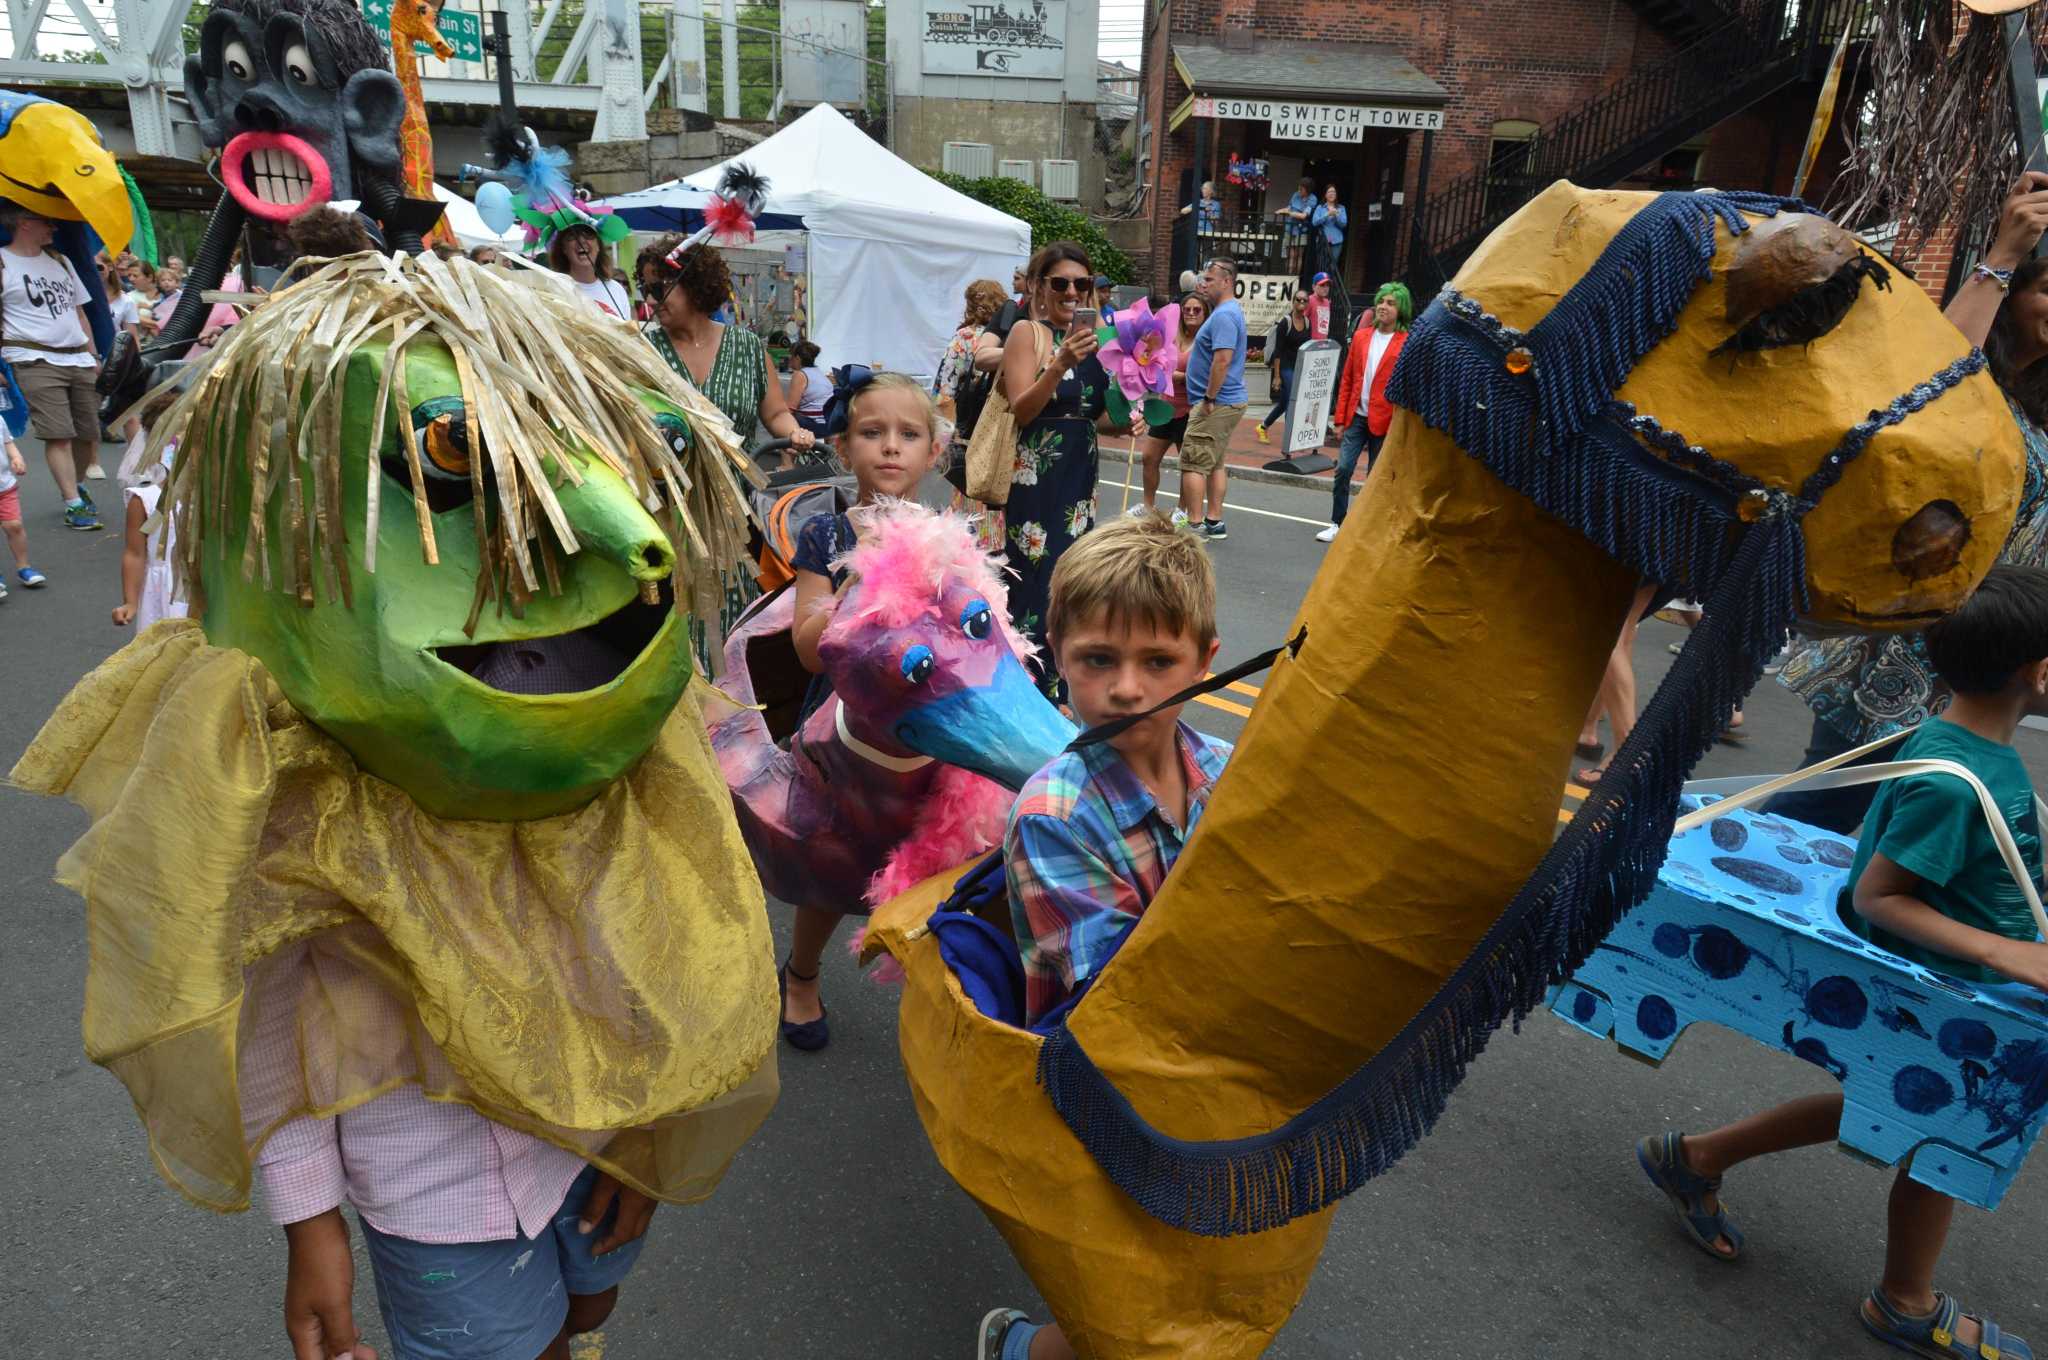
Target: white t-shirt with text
x=39, y=300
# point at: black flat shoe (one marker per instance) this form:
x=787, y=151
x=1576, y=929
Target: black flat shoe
x=811, y=1035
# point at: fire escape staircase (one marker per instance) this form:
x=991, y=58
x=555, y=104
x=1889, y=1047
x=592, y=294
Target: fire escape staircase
x=1752, y=50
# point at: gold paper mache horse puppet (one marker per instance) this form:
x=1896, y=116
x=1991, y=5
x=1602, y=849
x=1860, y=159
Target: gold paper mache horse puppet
x=443, y=529
x=1720, y=393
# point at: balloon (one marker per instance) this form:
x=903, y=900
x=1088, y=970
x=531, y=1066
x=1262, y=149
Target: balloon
x=494, y=205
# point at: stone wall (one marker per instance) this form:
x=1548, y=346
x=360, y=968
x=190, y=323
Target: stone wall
x=670, y=152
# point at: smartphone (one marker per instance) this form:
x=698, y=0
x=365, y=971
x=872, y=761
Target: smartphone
x=1086, y=318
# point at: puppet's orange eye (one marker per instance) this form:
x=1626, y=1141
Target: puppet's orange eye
x=446, y=453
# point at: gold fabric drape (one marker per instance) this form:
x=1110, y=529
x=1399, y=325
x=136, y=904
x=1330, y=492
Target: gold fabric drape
x=602, y=979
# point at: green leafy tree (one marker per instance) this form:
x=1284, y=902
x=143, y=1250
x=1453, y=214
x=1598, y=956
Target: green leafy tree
x=1049, y=221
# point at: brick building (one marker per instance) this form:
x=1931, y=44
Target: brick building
x=1434, y=122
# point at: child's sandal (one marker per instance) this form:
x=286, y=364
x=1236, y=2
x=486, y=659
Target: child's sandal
x=1662, y=1161
x=1934, y=1334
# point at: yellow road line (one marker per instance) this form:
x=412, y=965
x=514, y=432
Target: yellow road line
x=1574, y=791
x=1240, y=686
x=1241, y=710
x=1564, y=814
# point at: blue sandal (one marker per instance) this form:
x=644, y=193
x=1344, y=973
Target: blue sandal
x=1933, y=1335
x=1662, y=1161
x=811, y=1035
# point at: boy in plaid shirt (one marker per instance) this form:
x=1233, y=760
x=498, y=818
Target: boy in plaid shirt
x=1132, y=621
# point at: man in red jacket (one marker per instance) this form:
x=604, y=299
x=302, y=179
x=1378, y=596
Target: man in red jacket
x=1362, y=404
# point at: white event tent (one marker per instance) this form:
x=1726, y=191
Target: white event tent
x=891, y=249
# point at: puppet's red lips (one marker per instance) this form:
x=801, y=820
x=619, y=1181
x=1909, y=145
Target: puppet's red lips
x=274, y=175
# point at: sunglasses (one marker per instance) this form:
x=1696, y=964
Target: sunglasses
x=1062, y=285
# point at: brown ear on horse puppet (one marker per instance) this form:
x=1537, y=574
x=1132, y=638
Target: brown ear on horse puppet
x=1721, y=393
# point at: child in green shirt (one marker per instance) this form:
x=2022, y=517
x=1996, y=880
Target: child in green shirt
x=1929, y=884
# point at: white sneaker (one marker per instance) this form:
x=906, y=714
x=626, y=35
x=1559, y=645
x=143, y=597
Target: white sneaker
x=1139, y=511
x=96, y=473
x=1180, y=519
x=1328, y=535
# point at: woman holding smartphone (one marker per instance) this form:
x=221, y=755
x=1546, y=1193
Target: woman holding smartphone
x=1057, y=390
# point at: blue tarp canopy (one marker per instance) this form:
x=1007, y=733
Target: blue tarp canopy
x=675, y=206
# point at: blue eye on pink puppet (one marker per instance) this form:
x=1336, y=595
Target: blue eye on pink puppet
x=1141, y=348
x=933, y=723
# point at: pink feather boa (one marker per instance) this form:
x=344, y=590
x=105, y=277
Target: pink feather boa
x=966, y=820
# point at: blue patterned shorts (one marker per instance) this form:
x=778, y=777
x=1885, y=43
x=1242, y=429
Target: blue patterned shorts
x=492, y=1300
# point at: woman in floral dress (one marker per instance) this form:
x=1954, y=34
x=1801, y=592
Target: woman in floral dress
x=1868, y=686
x=1058, y=409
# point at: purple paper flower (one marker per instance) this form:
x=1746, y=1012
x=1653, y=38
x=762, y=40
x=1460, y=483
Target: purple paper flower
x=1142, y=357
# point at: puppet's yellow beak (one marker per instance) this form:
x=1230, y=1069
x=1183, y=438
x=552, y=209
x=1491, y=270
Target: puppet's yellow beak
x=51, y=162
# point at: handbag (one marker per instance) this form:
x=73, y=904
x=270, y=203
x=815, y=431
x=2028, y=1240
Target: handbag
x=992, y=453
x=971, y=393
x=970, y=397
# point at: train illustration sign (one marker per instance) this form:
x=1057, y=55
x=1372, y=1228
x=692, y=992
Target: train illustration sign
x=1018, y=38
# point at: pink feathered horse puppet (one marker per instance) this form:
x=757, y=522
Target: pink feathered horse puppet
x=912, y=763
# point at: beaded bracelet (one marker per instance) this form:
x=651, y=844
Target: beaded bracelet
x=2001, y=277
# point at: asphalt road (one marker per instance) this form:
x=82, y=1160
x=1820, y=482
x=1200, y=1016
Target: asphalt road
x=1520, y=1228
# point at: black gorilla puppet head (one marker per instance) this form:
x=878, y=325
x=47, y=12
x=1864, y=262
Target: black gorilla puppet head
x=297, y=97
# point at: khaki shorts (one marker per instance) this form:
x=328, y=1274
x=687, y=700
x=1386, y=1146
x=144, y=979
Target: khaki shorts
x=1208, y=438
x=62, y=403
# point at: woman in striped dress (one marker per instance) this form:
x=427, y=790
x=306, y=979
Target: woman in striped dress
x=728, y=364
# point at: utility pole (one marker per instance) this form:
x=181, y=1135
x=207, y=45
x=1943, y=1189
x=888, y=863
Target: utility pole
x=729, y=55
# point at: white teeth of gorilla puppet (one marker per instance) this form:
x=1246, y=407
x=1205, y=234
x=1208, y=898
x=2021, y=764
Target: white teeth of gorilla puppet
x=279, y=177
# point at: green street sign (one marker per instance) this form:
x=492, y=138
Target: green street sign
x=464, y=31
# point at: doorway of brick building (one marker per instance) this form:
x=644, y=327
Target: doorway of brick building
x=1376, y=221
x=1341, y=168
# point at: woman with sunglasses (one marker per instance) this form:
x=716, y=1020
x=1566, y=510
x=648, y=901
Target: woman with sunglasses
x=1058, y=391
x=728, y=364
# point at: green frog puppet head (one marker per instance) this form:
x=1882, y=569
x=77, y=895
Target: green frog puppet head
x=451, y=509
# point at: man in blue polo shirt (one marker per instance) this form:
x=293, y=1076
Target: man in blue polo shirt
x=1216, y=400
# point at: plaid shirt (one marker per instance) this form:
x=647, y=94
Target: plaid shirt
x=1087, y=848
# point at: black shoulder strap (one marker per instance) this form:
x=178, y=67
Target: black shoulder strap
x=1102, y=732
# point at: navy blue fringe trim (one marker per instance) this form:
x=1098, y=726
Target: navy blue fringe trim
x=1605, y=862
x=1627, y=303
x=1684, y=520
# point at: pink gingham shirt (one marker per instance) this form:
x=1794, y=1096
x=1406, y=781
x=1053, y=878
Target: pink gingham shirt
x=415, y=1168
